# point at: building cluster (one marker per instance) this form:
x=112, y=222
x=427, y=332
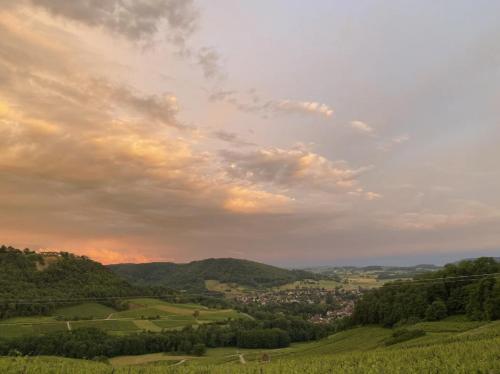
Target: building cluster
x=344, y=309
x=340, y=301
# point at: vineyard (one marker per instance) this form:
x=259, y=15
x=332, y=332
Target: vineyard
x=471, y=348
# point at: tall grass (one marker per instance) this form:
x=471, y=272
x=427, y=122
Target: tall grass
x=462, y=357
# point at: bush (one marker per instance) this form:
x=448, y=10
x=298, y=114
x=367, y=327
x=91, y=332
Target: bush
x=102, y=359
x=263, y=338
x=402, y=335
x=407, y=322
x=199, y=349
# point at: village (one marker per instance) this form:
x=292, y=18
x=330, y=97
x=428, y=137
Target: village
x=338, y=302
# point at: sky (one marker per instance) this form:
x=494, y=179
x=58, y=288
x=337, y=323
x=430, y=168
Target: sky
x=287, y=132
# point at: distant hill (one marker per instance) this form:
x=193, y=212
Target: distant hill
x=380, y=272
x=26, y=275
x=497, y=259
x=192, y=276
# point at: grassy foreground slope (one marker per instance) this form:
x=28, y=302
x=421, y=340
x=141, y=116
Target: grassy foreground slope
x=468, y=357
x=467, y=350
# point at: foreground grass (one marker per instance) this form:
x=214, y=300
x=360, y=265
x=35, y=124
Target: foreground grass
x=362, y=350
x=460, y=358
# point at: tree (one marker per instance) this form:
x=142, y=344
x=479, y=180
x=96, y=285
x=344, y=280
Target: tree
x=436, y=311
x=199, y=349
x=329, y=299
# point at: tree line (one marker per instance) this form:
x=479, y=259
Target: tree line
x=460, y=288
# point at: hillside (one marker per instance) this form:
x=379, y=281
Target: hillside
x=28, y=277
x=192, y=275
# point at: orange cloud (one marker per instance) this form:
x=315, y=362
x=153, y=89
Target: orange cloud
x=251, y=201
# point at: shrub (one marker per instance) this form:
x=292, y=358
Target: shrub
x=402, y=335
x=199, y=349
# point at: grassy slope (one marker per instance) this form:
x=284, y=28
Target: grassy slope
x=461, y=358
x=361, y=350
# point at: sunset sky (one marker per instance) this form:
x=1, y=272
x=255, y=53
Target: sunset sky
x=288, y=132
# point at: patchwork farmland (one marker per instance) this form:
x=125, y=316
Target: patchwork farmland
x=145, y=314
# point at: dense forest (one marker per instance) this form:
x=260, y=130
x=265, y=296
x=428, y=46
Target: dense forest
x=462, y=288
x=192, y=276
x=33, y=284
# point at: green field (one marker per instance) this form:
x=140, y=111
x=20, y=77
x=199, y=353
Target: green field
x=107, y=325
x=229, y=289
x=467, y=349
x=85, y=310
x=323, y=283
x=144, y=315
x=351, y=282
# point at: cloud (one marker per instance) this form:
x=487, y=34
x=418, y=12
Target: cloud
x=208, y=59
x=82, y=156
x=400, y=139
x=137, y=20
x=391, y=143
x=362, y=127
x=101, y=167
x=245, y=200
x=98, y=167
x=264, y=108
x=232, y=138
x=296, y=167
x=367, y=195
x=461, y=213
x=303, y=107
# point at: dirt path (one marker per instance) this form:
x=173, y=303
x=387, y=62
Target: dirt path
x=179, y=363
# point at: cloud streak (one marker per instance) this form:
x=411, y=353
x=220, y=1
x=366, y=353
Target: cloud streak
x=265, y=108
x=362, y=127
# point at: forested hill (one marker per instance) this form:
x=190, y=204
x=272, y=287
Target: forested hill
x=26, y=275
x=468, y=287
x=192, y=275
